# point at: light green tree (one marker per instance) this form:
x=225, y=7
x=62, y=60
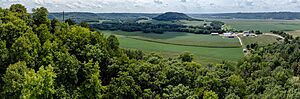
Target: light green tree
x=14, y=80
x=39, y=85
x=210, y=95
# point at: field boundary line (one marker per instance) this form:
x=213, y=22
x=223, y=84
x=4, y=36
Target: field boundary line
x=184, y=44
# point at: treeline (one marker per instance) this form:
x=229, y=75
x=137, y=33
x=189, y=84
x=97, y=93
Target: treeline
x=40, y=58
x=215, y=26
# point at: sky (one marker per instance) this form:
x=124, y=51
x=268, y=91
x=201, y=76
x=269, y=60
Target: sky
x=159, y=6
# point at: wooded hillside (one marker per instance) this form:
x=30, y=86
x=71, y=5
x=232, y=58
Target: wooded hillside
x=42, y=58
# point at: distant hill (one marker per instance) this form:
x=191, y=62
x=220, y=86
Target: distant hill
x=261, y=15
x=172, y=16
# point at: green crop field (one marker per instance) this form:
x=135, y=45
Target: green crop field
x=261, y=40
x=194, y=23
x=179, y=38
x=263, y=25
x=204, y=55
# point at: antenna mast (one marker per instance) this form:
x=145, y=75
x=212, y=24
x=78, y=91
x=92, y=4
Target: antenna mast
x=63, y=15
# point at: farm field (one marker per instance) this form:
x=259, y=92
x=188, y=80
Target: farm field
x=261, y=40
x=185, y=39
x=263, y=25
x=194, y=23
x=294, y=33
x=203, y=55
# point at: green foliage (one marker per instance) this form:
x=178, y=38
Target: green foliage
x=232, y=96
x=40, y=16
x=70, y=22
x=4, y=56
x=43, y=33
x=186, y=57
x=39, y=85
x=84, y=24
x=85, y=64
x=21, y=12
x=66, y=67
x=178, y=92
x=113, y=42
x=124, y=86
x=14, y=80
x=91, y=86
x=210, y=95
x=26, y=48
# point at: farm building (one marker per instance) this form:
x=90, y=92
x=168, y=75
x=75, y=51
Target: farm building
x=215, y=34
x=248, y=33
x=229, y=35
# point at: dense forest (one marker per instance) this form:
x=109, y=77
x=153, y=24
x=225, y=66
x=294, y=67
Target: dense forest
x=42, y=58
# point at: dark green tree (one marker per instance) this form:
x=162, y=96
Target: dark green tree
x=40, y=16
x=186, y=57
x=70, y=22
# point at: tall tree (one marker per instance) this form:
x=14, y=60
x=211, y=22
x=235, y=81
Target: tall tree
x=21, y=12
x=91, y=86
x=40, y=16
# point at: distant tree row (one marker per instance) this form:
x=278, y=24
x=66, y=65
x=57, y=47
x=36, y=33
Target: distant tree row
x=215, y=26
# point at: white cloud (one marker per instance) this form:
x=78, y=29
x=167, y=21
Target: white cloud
x=187, y=6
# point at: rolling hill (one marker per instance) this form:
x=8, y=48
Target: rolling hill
x=173, y=16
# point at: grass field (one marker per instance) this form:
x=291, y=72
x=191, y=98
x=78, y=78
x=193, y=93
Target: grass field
x=194, y=23
x=294, y=33
x=263, y=25
x=203, y=55
x=184, y=39
x=261, y=40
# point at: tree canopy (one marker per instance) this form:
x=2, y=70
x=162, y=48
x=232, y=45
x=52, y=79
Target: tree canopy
x=40, y=58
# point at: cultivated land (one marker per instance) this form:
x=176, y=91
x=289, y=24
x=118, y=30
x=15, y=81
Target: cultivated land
x=206, y=48
x=194, y=23
x=184, y=39
x=262, y=40
x=204, y=55
x=294, y=33
x=263, y=25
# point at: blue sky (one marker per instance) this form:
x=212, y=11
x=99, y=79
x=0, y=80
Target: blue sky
x=159, y=6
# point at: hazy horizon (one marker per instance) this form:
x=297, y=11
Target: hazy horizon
x=160, y=6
